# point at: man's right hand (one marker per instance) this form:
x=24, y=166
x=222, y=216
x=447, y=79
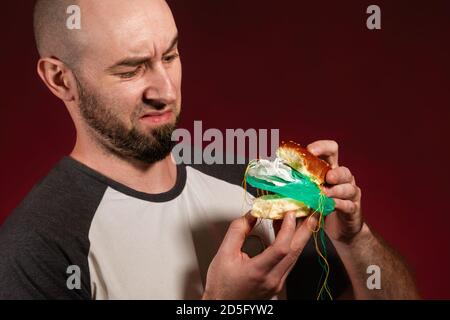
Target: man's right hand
x=234, y=275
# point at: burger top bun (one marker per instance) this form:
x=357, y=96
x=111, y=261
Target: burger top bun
x=303, y=161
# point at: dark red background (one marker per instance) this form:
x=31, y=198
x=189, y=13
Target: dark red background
x=310, y=68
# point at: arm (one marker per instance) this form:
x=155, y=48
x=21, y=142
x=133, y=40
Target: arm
x=367, y=248
x=357, y=245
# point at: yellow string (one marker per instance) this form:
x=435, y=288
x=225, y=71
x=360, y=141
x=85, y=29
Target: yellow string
x=244, y=186
x=320, y=210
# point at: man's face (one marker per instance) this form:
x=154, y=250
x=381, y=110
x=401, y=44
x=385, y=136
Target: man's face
x=130, y=77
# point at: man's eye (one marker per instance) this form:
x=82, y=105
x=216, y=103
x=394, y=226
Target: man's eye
x=170, y=58
x=127, y=75
x=130, y=74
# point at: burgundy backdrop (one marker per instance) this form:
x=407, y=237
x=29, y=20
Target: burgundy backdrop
x=310, y=68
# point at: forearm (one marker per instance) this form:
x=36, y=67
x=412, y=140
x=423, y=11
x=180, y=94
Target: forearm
x=367, y=249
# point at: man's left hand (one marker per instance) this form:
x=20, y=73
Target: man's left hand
x=346, y=221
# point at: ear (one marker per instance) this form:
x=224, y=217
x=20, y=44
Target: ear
x=58, y=78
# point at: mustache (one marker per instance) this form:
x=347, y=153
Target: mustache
x=144, y=110
x=154, y=103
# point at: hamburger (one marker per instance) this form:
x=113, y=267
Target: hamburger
x=292, y=182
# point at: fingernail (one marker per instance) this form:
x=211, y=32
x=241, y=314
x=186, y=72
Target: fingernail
x=312, y=222
x=292, y=216
x=329, y=175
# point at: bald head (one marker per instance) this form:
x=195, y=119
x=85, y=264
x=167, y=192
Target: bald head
x=53, y=38
x=101, y=22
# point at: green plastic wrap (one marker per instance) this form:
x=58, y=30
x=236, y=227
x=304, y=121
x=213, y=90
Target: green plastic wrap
x=301, y=189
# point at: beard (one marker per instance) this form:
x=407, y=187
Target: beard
x=148, y=147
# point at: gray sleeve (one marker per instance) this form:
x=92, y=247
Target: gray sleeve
x=34, y=267
x=46, y=234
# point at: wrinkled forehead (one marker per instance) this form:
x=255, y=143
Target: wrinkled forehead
x=115, y=29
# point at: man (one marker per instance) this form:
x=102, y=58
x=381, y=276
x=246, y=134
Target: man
x=119, y=219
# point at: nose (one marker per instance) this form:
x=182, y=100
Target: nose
x=160, y=90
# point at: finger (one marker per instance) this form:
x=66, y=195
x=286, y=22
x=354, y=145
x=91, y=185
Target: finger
x=346, y=191
x=312, y=224
x=347, y=207
x=236, y=234
x=325, y=149
x=277, y=224
x=287, y=230
x=339, y=175
x=353, y=182
x=301, y=235
x=298, y=243
x=265, y=261
x=358, y=195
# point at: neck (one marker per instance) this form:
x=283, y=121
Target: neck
x=152, y=178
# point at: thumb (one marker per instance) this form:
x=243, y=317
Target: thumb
x=303, y=233
x=237, y=232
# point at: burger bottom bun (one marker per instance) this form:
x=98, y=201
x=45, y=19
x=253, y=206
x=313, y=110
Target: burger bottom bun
x=275, y=207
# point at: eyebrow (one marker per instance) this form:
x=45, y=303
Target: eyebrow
x=138, y=60
x=173, y=44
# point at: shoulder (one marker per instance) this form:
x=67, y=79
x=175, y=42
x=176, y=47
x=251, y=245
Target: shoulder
x=47, y=233
x=59, y=203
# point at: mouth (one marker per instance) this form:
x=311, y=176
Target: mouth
x=157, y=117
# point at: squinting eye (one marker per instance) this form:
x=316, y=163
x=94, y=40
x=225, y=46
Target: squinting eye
x=170, y=58
x=127, y=75
x=130, y=74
